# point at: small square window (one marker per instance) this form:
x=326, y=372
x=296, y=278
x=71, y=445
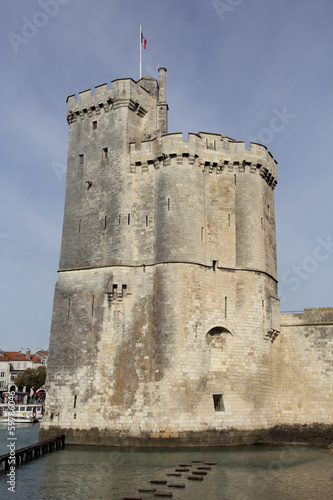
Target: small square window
x=218, y=402
x=94, y=125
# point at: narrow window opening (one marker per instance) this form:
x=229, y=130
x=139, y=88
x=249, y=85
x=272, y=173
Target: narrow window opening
x=75, y=397
x=105, y=223
x=218, y=402
x=225, y=306
x=268, y=209
x=119, y=219
x=114, y=289
x=94, y=125
x=168, y=204
x=229, y=220
x=263, y=303
x=79, y=226
x=235, y=179
x=262, y=223
x=147, y=221
x=124, y=290
x=81, y=159
x=202, y=233
x=68, y=307
x=92, y=305
x=129, y=219
x=105, y=153
x=214, y=265
x=144, y=268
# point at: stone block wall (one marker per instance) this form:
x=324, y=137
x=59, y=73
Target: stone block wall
x=166, y=308
x=152, y=357
x=303, y=368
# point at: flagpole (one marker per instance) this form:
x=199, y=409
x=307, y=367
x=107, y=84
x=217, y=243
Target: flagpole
x=140, y=47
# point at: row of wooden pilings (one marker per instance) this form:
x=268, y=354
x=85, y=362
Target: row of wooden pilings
x=32, y=452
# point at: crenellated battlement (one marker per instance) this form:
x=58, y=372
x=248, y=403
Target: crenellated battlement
x=124, y=92
x=213, y=153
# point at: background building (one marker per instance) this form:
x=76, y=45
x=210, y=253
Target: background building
x=12, y=363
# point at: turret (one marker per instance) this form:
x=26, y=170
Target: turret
x=162, y=104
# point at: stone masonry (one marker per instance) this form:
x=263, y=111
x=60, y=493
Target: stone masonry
x=166, y=311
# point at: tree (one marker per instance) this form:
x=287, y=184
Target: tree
x=19, y=381
x=40, y=377
x=31, y=378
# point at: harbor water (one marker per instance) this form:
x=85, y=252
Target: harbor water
x=240, y=473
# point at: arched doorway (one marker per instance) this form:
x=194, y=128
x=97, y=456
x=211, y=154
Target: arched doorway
x=217, y=336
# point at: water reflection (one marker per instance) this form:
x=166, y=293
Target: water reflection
x=241, y=473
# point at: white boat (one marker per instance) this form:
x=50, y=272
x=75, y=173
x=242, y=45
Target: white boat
x=22, y=413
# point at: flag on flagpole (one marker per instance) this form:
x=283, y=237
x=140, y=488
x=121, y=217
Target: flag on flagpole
x=143, y=41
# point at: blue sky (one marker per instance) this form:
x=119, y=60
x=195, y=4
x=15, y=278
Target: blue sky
x=248, y=69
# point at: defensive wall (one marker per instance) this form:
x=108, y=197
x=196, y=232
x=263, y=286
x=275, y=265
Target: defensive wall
x=303, y=367
x=166, y=318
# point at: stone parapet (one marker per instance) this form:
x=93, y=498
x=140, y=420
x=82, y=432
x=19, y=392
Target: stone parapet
x=311, y=316
x=125, y=92
x=212, y=153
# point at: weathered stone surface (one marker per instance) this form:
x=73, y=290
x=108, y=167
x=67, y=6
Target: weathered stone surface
x=303, y=368
x=166, y=311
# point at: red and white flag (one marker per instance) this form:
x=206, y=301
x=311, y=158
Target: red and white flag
x=143, y=41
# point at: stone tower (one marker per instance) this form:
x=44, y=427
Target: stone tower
x=166, y=306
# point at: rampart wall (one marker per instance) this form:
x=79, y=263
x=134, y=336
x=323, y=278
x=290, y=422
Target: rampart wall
x=303, y=367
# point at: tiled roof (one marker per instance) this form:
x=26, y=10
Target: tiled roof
x=15, y=355
x=35, y=358
x=42, y=354
x=19, y=356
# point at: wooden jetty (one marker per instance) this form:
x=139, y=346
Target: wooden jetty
x=32, y=452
